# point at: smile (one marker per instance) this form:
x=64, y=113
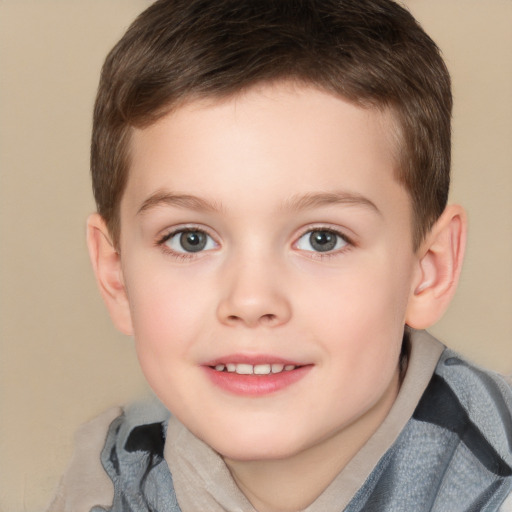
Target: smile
x=258, y=377
x=257, y=369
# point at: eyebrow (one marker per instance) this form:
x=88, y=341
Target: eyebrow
x=314, y=200
x=295, y=203
x=178, y=200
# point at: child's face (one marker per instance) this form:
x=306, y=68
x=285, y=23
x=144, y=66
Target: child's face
x=268, y=230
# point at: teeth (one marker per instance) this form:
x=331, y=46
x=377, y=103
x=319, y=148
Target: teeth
x=262, y=369
x=244, y=369
x=258, y=369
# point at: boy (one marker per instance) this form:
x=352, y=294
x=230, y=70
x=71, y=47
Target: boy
x=271, y=181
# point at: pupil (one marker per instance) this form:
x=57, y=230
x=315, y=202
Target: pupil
x=322, y=241
x=193, y=241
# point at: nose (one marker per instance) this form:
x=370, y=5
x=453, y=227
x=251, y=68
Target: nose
x=253, y=294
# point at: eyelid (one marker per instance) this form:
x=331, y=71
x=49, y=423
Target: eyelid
x=338, y=230
x=325, y=227
x=184, y=228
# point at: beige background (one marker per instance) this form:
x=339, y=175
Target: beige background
x=61, y=361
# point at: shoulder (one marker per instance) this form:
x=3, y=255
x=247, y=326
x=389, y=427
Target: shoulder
x=482, y=398
x=465, y=421
x=87, y=482
x=137, y=434
x=85, y=471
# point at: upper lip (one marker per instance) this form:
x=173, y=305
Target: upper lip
x=253, y=359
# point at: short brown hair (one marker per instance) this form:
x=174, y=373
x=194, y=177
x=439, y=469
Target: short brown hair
x=371, y=52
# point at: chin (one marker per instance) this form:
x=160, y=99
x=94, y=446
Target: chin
x=247, y=448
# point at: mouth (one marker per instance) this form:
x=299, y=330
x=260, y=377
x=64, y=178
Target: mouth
x=256, y=369
x=259, y=377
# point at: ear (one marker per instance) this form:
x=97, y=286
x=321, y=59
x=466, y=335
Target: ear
x=106, y=263
x=438, y=269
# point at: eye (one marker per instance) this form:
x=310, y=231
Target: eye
x=321, y=240
x=189, y=240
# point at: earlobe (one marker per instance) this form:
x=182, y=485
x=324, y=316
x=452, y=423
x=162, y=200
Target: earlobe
x=438, y=269
x=106, y=264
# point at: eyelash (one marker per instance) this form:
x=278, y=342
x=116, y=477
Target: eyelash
x=317, y=255
x=181, y=256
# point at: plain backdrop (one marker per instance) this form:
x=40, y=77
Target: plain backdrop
x=61, y=362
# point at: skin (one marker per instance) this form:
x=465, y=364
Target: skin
x=258, y=173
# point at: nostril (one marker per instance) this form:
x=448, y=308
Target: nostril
x=268, y=318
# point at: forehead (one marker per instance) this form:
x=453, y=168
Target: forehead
x=271, y=142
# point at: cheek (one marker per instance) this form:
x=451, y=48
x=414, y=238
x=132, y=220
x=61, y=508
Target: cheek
x=168, y=315
x=358, y=314
x=358, y=297
x=167, y=311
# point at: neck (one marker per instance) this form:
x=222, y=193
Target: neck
x=293, y=483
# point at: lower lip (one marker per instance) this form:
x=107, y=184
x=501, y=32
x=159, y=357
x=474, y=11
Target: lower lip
x=256, y=385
